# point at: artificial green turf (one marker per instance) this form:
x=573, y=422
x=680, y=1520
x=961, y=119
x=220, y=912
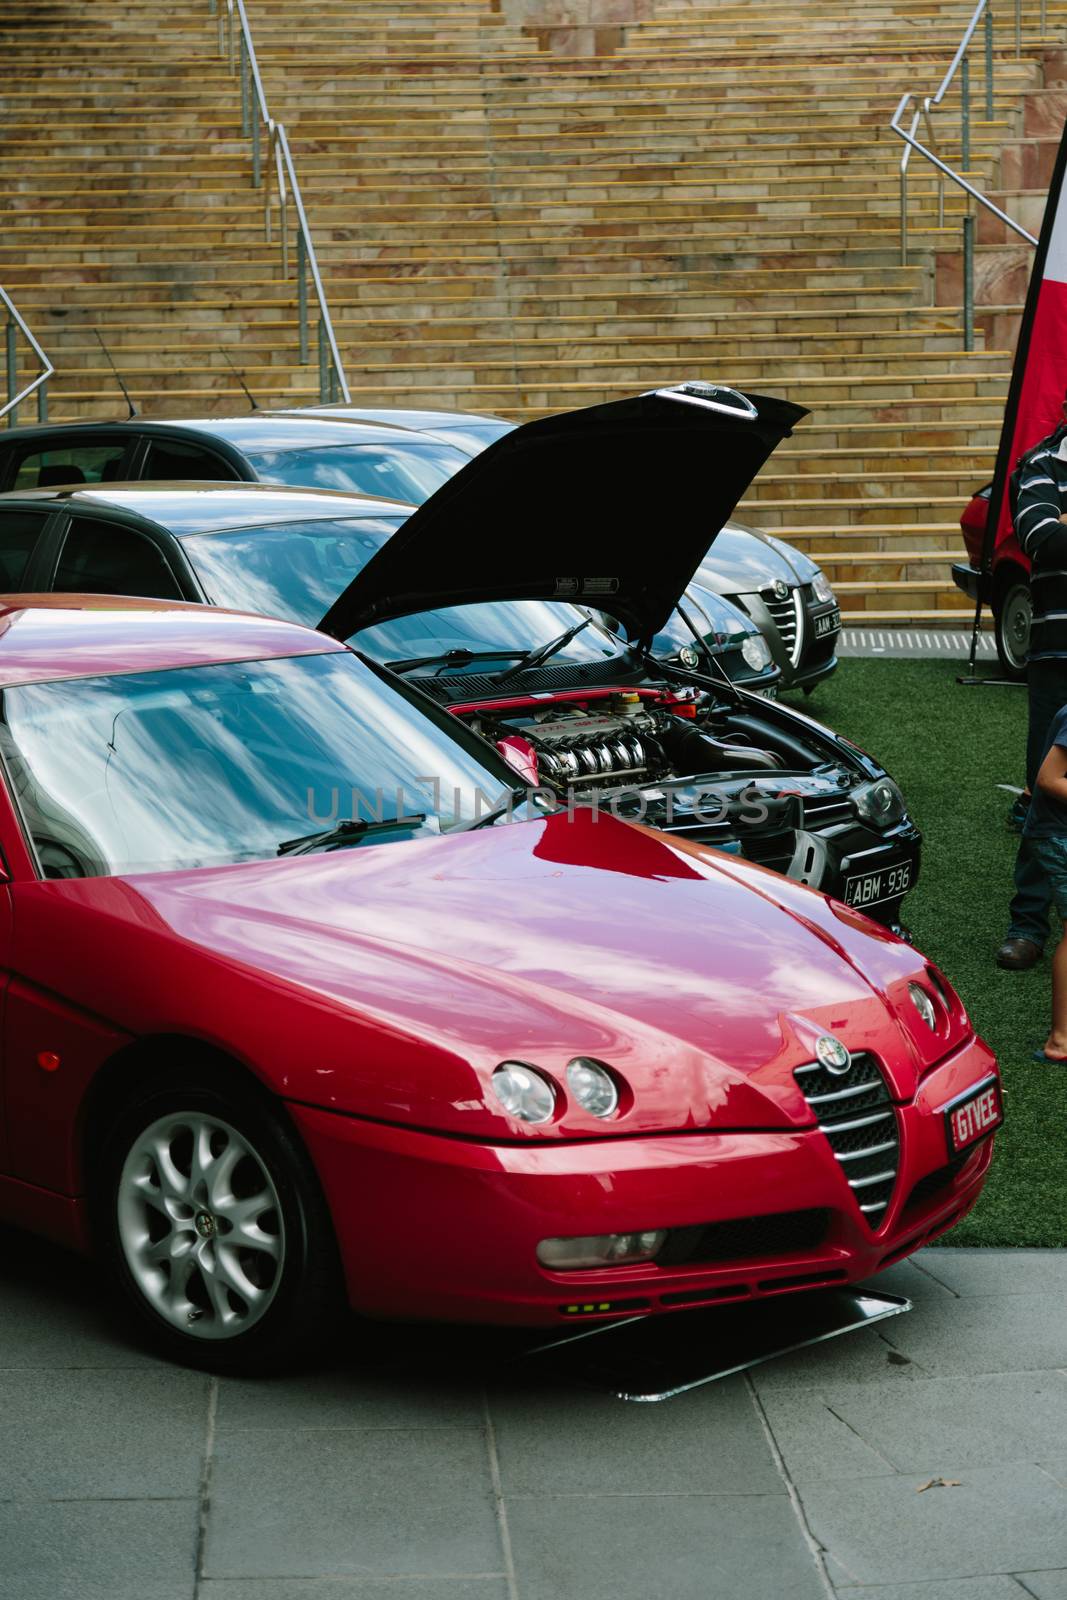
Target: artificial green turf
x=948, y=747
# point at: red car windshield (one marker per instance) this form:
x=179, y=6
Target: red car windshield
x=211, y=765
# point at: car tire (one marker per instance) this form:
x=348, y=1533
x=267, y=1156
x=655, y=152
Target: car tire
x=1012, y=624
x=213, y=1226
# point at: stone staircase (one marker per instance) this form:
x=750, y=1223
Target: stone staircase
x=503, y=228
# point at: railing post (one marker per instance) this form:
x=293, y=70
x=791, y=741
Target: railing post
x=903, y=216
x=257, y=175
x=246, y=126
x=12, y=380
x=232, y=41
x=965, y=114
x=302, y=294
x=324, y=381
x=42, y=402
x=989, y=64
x=1018, y=28
x=968, y=282
x=1044, y=15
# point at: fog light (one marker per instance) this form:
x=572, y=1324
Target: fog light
x=600, y=1250
x=923, y=1005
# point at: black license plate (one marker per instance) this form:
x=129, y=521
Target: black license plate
x=830, y=623
x=871, y=888
x=972, y=1116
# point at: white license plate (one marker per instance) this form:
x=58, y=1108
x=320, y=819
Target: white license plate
x=871, y=888
x=830, y=623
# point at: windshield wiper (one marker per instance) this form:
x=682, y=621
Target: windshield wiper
x=487, y=818
x=347, y=828
x=534, y=658
x=450, y=658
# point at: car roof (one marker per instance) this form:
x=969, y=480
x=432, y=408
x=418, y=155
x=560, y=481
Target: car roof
x=52, y=636
x=185, y=508
x=397, y=417
x=254, y=430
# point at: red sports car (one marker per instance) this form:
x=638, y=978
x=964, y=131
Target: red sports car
x=1005, y=587
x=283, y=1021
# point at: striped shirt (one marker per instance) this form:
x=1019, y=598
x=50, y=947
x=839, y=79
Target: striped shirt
x=1039, y=499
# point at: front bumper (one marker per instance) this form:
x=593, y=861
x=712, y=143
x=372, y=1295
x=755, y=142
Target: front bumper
x=447, y=1229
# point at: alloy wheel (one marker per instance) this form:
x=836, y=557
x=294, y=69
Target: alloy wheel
x=200, y=1225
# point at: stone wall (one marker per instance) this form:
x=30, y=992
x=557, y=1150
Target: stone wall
x=575, y=27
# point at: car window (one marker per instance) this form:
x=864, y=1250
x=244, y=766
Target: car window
x=19, y=531
x=101, y=557
x=202, y=766
x=168, y=460
x=411, y=471
x=75, y=463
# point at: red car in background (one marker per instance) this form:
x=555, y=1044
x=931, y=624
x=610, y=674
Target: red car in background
x=1005, y=588
x=286, y=1022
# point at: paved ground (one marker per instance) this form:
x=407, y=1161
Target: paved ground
x=124, y=1479
x=929, y=643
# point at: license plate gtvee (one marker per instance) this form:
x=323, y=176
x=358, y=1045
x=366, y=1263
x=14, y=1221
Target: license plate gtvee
x=973, y=1115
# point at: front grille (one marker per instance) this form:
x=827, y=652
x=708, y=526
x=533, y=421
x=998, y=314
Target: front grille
x=855, y=1113
x=824, y=810
x=776, y=1234
x=786, y=617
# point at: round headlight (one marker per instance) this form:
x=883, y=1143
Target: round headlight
x=822, y=589
x=754, y=652
x=923, y=1005
x=523, y=1092
x=593, y=1087
x=880, y=803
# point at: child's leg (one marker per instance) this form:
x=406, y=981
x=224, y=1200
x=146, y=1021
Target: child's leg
x=1057, y=1039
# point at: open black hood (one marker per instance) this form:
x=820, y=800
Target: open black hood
x=632, y=492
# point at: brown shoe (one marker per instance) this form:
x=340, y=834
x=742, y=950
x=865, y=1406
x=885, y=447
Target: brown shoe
x=1018, y=954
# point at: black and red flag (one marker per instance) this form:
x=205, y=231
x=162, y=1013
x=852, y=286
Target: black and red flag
x=1039, y=376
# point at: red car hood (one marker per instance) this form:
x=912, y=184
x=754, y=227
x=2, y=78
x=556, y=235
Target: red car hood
x=538, y=941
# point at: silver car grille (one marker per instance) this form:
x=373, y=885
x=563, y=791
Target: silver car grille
x=787, y=614
x=855, y=1113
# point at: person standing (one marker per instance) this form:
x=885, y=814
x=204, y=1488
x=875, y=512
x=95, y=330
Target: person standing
x=1040, y=485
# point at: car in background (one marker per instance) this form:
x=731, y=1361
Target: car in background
x=305, y=452
x=707, y=631
x=406, y=455
x=1005, y=588
x=290, y=1026
x=788, y=597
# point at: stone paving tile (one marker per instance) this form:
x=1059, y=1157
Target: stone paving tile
x=864, y=1357
x=1044, y=1585
x=868, y=1429
x=999, y=1588
x=308, y=1502
x=633, y=1547
x=98, y=1550
x=1000, y=1520
x=985, y=1333
x=669, y=1445
x=982, y=1272
x=469, y=1588
x=349, y=1399
x=101, y=1434
x=914, y=1278
x=50, y=1313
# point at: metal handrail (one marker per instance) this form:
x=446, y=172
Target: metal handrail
x=237, y=46
x=983, y=13
x=16, y=323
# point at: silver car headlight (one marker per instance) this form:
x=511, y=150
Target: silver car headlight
x=822, y=589
x=923, y=1005
x=523, y=1092
x=755, y=652
x=593, y=1087
x=880, y=803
